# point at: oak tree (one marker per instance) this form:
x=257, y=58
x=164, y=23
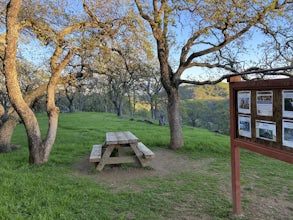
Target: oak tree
x=203, y=34
x=62, y=35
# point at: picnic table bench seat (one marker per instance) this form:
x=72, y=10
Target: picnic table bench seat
x=147, y=153
x=96, y=153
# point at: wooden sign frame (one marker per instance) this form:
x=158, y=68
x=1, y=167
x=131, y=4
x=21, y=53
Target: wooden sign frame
x=257, y=121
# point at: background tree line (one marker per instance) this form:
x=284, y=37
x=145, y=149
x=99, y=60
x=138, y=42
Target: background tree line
x=201, y=106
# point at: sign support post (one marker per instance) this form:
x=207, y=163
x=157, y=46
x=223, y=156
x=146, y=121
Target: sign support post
x=235, y=171
x=235, y=155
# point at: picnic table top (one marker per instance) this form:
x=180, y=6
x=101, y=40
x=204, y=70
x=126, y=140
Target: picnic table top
x=122, y=137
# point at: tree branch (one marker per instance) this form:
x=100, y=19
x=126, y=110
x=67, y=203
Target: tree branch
x=253, y=21
x=144, y=15
x=272, y=72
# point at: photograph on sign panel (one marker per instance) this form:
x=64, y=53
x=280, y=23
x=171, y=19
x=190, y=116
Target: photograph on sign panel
x=288, y=103
x=264, y=103
x=244, y=126
x=244, y=102
x=288, y=133
x=266, y=130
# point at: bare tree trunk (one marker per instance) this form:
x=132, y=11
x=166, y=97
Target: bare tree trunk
x=71, y=107
x=38, y=149
x=7, y=128
x=171, y=87
x=130, y=106
x=6, y=132
x=10, y=72
x=119, y=108
x=176, y=138
x=11, y=119
x=152, y=108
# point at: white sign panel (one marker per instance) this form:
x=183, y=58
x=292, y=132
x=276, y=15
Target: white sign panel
x=244, y=125
x=288, y=133
x=288, y=103
x=244, y=98
x=264, y=103
x=265, y=130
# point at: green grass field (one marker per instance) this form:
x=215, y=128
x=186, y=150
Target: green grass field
x=54, y=191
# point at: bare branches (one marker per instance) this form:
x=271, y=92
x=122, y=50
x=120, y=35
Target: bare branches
x=143, y=14
x=280, y=45
x=228, y=32
x=190, y=42
x=284, y=71
x=216, y=65
x=89, y=12
x=106, y=26
x=217, y=26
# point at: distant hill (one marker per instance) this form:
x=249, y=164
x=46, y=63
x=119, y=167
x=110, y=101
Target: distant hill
x=219, y=91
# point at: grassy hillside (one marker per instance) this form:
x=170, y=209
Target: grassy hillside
x=219, y=91
x=57, y=191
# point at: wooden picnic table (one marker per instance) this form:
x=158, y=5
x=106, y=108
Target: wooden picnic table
x=115, y=148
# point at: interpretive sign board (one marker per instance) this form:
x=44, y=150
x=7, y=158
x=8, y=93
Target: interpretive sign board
x=262, y=113
x=261, y=120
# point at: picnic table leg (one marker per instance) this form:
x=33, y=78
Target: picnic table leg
x=105, y=157
x=138, y=154
x=121, y=151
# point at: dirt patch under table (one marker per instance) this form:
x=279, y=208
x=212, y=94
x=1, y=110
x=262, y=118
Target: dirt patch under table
x=165, y=162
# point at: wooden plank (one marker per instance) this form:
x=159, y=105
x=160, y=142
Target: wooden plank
x=111, y=138
x=130, y=137
x=139, y=155
x=124, y=159
x=96, y=153
x=270, y=152
x=105, y=157
x=235, y=173
x=124, y=137
x=235, y=156
x=234, y=79
x=145, y=150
